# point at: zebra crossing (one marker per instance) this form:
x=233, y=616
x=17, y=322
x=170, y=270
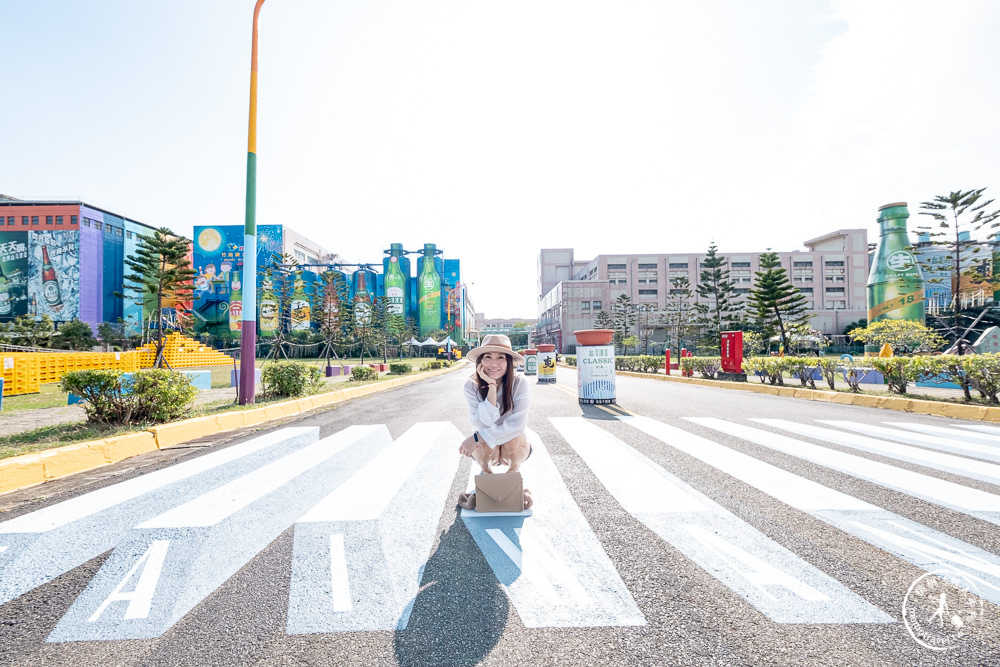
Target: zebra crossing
x=365, y=510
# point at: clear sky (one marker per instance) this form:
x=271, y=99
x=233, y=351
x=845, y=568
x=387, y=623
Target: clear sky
x=495, y=129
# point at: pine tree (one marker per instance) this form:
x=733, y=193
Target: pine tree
x=717, y=310
x=965, y=258
x=678, y=313
x=160, y=271
x=623, y=317
x=603, y=321
x=778, y=304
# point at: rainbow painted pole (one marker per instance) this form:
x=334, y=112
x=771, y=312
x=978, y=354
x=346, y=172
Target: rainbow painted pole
x=248, y=331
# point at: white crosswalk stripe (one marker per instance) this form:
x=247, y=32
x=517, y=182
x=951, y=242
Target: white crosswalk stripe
x=550, y=563
x=366, y=510
x=918, y=544
x=950, y=433
x=982, y=428
x=959, y=465
x=774, y=580
x=971, y=501
x=918, y=434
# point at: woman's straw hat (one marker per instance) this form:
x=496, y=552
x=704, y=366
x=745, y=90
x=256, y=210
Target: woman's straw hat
x=495, y=343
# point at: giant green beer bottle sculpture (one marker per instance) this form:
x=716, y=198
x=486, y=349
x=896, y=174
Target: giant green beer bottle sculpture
x=429, y=293
x=895, y=284
x=395, y=286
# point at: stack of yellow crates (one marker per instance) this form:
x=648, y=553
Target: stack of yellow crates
x=182, y=352
x=24, y=372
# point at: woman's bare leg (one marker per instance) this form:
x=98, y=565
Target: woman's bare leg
x=486, y=457
x=514, y=452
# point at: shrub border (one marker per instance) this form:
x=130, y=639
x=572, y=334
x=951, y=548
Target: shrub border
x=899, y=403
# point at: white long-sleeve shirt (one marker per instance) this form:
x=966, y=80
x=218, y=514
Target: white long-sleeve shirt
x=485, y=417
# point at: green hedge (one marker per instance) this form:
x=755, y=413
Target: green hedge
x=639, y=363
x=287, y=379
x=399, y=369
x=114, y=398
x=363, y=373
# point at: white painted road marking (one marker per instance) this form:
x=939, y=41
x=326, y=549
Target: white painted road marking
x=340, y=584
x=922, y=546
x=971, y=501
x=982, y=428
x=386, y=516
x=46, y=543
x=553, y=567
x=775, y=581
x=951, y=434
x=368, y=492
x=141, y=597
x=203, y=557
x=987, y=472
x=91, y=503
x=213, y=507
x=955, y=445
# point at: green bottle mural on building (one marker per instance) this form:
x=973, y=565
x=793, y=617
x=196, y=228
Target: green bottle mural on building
x=5, y=306
x=395, y=287
x=429, y=293
x=236, y=304
x=270, y=309
x=300, y=308
x=895, y=283
x=362, y=302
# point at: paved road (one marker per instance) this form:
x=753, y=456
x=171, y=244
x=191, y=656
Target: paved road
x=686, y=525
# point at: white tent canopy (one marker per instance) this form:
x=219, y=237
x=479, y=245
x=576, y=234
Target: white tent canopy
x=413, y=341
x=429, y=341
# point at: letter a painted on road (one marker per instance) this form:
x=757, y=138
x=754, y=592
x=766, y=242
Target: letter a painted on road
x=141, y=598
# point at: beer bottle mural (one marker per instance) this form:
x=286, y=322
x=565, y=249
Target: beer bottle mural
x=362, y=302
x=296, y=300
x=236, y=304
x=5, y=308
x=270, y=308
x=50, y=283
x=895, y=283
x=395, y=283
x=300, y=314
x=429, y=293
x=331, y=300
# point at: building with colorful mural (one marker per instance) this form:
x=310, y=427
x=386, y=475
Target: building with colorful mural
x=65, y=259
x=294, y=296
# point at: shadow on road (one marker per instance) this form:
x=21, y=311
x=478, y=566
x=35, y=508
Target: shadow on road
x=460, y=612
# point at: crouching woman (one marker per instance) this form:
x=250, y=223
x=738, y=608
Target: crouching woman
x=498, y=401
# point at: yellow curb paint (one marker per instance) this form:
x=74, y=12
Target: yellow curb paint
x=127, y=446
x=170, y=435
x=73, y=458
x=231, y=420
x=19, y=472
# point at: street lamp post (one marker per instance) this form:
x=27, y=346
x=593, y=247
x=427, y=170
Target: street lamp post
x=248, y=326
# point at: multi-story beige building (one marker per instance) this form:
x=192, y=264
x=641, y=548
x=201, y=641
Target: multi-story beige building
x=831, y=274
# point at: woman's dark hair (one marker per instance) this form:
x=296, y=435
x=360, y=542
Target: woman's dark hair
x=508, y=385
